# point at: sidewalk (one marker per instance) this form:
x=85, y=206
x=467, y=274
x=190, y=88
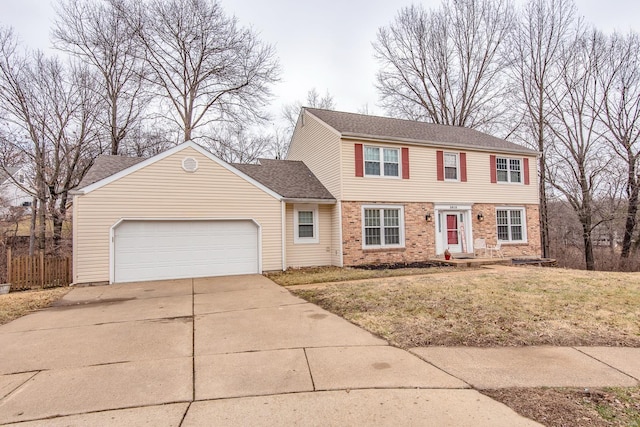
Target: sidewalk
x=486, y=368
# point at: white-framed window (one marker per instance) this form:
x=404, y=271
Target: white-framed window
x=509, y=170
x=451, y=167
x=382, y=226
x=380, y=161
x=512, y=224
x=305, y=224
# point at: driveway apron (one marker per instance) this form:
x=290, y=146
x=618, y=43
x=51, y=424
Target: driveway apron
x=237, y=350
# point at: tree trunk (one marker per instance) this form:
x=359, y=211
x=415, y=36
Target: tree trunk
x=42, y=224
x=588, y=244
x=32, y=226
x=544, y=214
x=632, y=211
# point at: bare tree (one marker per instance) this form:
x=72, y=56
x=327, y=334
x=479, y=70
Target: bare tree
x=444, y=66
x=53, y=109
x=290, y=112
x=541, y=30
x=239, y=145
x=206, y=67
x=97, y=33
x=578, y=159
x=619, y=81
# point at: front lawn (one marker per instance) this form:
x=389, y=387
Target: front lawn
x=505, y=306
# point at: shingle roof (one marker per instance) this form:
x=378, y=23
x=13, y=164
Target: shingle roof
x=105, y=166
x=289, y=178
x=376, y=127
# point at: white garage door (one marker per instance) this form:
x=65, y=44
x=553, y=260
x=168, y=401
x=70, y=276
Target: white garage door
x=157, y=250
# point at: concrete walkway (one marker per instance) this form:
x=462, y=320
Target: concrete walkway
x=244, y=351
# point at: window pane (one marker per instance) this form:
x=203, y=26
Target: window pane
x=450, y=160
x=305, y=217
x=391, y=218
x=392, y=236
x=516, y=217
x=371, y=218
x=450, y=173
x=503, y=232
x=371, y=168
x=390, y=155
x=391, y=169
x=372, y=153
x=501, y=163
x=515, y=176
x=514, y=164
x=502, y=218
x=372, y=236
x=516, y=232
x=305, y=230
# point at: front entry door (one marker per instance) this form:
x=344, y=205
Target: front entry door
x=453, y=232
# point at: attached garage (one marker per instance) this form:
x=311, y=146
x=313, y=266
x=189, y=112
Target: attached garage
x=160, y=249
x=186, y=213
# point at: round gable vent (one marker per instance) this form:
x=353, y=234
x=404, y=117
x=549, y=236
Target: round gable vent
x=189, y=164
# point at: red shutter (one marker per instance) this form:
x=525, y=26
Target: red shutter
x=405, y=163
x=526, y=171
x=463, y=167
x=492, y=161
x=440, y=165
x=359, y=161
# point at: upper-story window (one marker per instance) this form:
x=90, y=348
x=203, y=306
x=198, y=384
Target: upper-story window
x=451, y=167
x=380, y=161
x=508, y=170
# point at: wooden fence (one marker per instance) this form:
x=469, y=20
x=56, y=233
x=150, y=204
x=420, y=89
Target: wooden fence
x=39, y=271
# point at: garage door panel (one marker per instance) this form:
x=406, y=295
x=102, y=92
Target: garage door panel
x=155, y=250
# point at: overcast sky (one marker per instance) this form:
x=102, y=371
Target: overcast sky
x=322, y=44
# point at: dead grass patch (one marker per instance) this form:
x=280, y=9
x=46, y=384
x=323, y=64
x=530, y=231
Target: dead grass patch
x=509, y=306
x=306, y=276
x=17, y=304
x=560, y=407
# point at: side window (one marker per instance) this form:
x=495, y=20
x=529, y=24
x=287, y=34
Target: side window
x=305, y=223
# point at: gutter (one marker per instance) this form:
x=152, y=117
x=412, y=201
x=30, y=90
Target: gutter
x=306, y=200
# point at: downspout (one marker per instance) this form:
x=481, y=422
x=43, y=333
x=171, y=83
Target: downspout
x=283, y=216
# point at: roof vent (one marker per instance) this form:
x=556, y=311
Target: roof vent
x=189, y=164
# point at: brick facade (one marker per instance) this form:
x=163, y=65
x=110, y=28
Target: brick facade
x=419, y=236
x=487, y=229
x=420, y=243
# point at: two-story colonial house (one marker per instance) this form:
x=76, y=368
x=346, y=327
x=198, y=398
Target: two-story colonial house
x=354, y=189
x=407, y=190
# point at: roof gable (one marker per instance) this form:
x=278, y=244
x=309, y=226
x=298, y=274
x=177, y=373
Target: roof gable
x=351, y=125
x=8, y=172
x=116, y=167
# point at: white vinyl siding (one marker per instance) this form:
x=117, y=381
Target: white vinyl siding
x=511, y=225
x=424, y=184
x=163, y=190
x=382, y=226
x=509, y=170
x=318, y=146
x=310, y=255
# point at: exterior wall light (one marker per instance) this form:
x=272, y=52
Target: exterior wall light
x=480, y=217
x=428, y=217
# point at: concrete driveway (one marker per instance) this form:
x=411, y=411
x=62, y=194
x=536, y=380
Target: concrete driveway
x=218, y=351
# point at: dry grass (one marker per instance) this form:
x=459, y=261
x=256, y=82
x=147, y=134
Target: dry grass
x=17, y=304
x=574, y=407
x=506, y=306
x=305, y=276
